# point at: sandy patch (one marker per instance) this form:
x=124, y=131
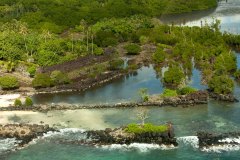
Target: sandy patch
x=8, y=99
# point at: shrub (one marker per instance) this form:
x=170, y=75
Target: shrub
x=9, y=82
x=159, y=56
x=186, y=90
x=28, y=102
x=17, y=103
x=221, y=84
x=42, y=81
x=237, y=74
x=32, y=70
x=169, y=93
x=174, y=76
x=148, y=127
x=143, y=92
x=59, y=78
x=133, y=49
x=116, y=64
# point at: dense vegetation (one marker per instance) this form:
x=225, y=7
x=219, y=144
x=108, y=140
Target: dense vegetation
x=57, y=15
x=9, y=82
x=146, y=128
x=43, y=33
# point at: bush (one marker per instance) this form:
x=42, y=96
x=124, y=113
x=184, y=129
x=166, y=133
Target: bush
x=42, y=81
x=116, y=64
x=28, y=102
x=169, y=93
x=133, y=49
x=148, y=127
x=221, y=84
x=159, y=56
x=32, y=70
x=186, y=90
x=59, y=78
x=174, y=76
x=9, y=82
x=17, y=103
x=143, y=92
x=237, y=74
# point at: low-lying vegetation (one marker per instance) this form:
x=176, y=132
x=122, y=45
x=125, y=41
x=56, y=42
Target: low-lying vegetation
x=146, y=128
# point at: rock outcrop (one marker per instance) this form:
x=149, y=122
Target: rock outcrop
x=120, y=136
x=223, y=97
x=23, y=132
x=207, y=139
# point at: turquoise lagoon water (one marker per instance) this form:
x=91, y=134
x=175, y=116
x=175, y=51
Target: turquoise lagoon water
x=216, y=116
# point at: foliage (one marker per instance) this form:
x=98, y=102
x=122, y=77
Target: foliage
x=42, y=80
x=186, y=90
x=17, y=103
x=146, y=128
x=28, y=102
x=59, y=78
x=169, y=93
x=9, y=82
x=159, y=56
x=237, y=74
x=143, y=92
x=174, y=76
x=221, y=84
x=116, y=64
x=32, y=70
x=133, y=49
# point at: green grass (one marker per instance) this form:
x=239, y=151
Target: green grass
x=148, y=127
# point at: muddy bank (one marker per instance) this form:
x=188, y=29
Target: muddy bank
x=23, y=132
x=223, y=97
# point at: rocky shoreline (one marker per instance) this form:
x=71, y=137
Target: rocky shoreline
x=120, y=136
x=208, y=139
x=200, y=97
x=24, y=133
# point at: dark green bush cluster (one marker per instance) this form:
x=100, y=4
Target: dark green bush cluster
x=59, y=78
x=237, y=74
x=148, y=127
x=116, y=64
x=17, y=103
x=9, y=82
x=221, y=84
x=133, y=49
x=186, y=90
x=43, y=80
x=28, y=102
x=174, y=76
x=159, y=56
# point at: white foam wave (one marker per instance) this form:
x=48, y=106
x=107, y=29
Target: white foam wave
x=142, y=147
x=8, y=144
x=63, y=132
x=225, y=147
x=189, y=140
x=222, y=148
x=231, y=140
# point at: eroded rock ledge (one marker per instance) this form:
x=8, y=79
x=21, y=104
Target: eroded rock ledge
x=23, y=132
x=207, y=139
x=120, y=136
